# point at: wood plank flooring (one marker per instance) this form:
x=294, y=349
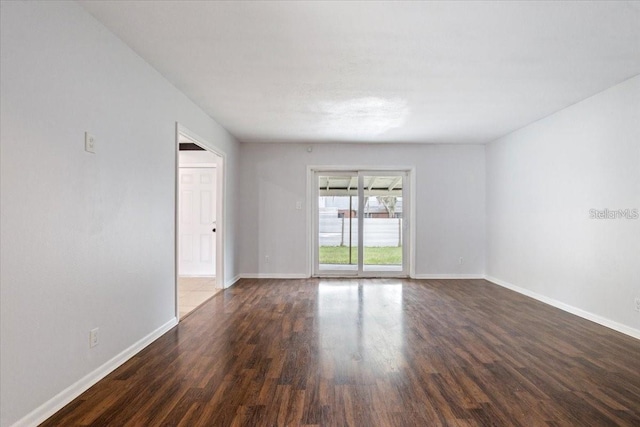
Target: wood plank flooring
x=374, y=352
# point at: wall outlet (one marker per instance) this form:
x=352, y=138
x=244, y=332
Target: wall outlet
x=93, y=337
x=637, y=300
x=461, y=261
x=89, y=143
x=266, y=259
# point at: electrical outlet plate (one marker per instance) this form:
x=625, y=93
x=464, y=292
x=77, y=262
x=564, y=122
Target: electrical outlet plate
x=637, y=301
x=89, y=143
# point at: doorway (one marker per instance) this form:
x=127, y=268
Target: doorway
x=361, y=223
x=198, y=215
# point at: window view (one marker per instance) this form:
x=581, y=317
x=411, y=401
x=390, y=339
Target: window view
x=382, y=227
x=338, y=223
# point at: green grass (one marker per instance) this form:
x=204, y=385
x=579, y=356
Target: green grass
x=378, y=255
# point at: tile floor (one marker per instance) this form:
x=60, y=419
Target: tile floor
x=193, y=291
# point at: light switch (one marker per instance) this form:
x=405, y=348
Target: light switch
x=298, y=205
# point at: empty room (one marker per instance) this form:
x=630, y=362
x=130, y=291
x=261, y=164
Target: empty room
x=319, y=213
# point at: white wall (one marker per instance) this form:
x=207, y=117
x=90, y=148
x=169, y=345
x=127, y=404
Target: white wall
x=87, y=239
x=450, y=205
x=541, y=183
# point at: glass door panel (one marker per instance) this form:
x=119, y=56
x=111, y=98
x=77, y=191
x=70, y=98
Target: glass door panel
x=382, y=217
x=337, y=223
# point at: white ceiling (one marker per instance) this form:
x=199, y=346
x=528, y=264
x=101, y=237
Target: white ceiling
x=433, y=72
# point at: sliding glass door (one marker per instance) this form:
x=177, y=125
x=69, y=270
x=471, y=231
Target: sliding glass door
x=337, y=222
x=382, y=229
x=361, y=222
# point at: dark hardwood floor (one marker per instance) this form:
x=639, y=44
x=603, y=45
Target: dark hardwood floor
x=372, y=353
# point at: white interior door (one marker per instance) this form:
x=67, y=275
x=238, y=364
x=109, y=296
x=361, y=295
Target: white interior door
x=197, y=198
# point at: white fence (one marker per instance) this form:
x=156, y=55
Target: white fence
x=334, y=231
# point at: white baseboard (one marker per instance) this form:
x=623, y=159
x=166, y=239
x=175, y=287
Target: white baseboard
x=274, y=276
x=627, y=330
x=63, y=398
x=232, y=282
x=305, y=276
x=447, y=276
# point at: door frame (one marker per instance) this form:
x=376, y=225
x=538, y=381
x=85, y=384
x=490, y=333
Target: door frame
x=221, y=207
x=312, y=220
